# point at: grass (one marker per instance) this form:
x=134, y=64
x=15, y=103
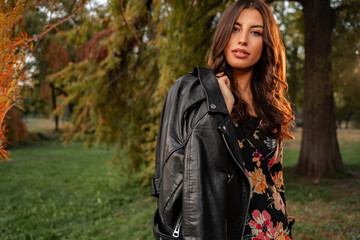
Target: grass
x=327, y=208
x=42, y=124
x=49, y=191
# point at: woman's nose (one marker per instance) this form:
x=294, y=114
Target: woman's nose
x=242, y=40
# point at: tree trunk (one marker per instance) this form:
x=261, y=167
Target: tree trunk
x=319, y=147
x=348, y=117
x=53, y=98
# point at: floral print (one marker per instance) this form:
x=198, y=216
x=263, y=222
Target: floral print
x=240, y=144
x=267, y=217
x=278, y=202
x=262, y=226
x=270, y=143
x=271, y=162
x=257, y=157
x=278, y=179
x=280, y=233
x=258, y=181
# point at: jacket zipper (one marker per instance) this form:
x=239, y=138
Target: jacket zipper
x=248, y=204
x=176, y=232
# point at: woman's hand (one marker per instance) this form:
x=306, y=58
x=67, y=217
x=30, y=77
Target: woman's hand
x=224, y=83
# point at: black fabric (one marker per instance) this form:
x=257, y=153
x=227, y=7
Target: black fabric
x=248, y=127
x=267, y=217
x=199, y=171
x=157, y=233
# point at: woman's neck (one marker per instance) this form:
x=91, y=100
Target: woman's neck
x=243, y=79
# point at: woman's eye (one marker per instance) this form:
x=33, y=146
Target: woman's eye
x=235, y=29
x=257, y=33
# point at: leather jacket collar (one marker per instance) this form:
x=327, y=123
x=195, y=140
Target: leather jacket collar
x=215, y=99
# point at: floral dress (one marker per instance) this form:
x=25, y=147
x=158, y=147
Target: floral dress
x=267, y=217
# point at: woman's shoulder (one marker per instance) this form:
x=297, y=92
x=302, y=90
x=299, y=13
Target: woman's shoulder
x=189, y=78
x=188, y=86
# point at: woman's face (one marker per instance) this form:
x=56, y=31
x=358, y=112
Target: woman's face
x=246, y=42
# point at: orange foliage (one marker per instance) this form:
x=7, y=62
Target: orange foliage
x=12, y=61
x=19, y=132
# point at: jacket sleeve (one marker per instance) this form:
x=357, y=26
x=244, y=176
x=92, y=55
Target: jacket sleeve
x=169, y=163
x=204, y=183
x=192, y=185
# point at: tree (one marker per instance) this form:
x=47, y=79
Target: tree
x=345, y=64
x=50, y=54
x=319, y=148
x=13, y=47
x=118, y=85
x=112, y=79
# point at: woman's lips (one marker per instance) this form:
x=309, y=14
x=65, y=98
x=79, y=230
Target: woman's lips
x=240, y=53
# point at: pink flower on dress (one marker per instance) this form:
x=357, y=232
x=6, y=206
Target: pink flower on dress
x=262, y=227
x=278, y=202
x=257, y=157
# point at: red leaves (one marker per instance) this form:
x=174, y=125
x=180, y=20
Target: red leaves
x=93, y=48
x=57, y=56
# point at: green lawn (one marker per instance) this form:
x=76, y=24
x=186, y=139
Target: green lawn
x=327, y=208
x=49, y=191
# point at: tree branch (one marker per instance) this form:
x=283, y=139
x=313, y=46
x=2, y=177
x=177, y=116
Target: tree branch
x=127, y=24
x=58, y=23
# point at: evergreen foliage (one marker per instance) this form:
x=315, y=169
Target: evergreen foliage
x=118, y=97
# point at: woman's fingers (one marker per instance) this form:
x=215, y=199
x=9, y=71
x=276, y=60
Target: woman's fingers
x=223, y=79
x=224, y=84
x=227, y=81
x=220, y=74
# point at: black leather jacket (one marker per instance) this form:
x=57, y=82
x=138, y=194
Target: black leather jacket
x=200, y=180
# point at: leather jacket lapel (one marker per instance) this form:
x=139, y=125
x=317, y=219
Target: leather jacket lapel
x=215, y=99
x=227, y=129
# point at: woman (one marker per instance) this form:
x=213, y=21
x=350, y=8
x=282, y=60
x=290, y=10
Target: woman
x=219, y=149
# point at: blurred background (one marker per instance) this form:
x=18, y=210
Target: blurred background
x=87, y=104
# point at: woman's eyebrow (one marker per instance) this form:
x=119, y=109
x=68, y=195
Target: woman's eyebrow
x=253, y=26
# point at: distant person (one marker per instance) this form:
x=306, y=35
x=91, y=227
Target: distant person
x=219, y=148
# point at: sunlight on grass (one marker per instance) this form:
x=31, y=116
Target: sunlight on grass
x=326, y=208
x=42, y=124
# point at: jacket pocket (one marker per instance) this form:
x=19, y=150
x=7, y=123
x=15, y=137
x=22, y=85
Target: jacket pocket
x=172, y=212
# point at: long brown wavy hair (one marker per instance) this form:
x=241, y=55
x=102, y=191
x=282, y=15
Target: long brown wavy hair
x=268, y=81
